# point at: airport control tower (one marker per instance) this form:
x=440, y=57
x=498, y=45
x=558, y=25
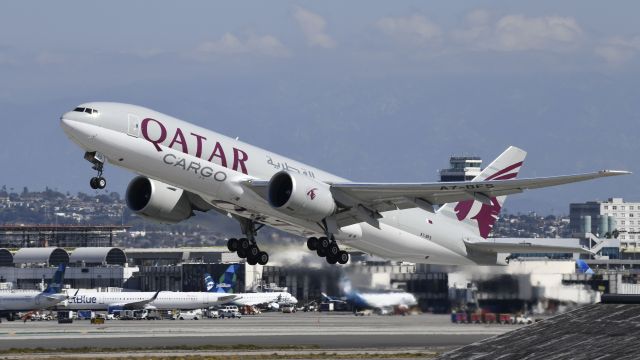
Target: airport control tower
x=463, y=168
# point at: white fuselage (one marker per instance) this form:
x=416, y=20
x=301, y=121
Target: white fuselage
x=214, y=166
x=28, y=300
x=166, y=300
x=264, y=298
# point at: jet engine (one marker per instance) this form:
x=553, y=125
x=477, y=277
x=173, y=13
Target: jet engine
x=300, y=196
x=158, y=201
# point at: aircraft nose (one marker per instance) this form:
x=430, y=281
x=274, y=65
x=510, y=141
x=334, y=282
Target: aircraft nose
x=67, y=124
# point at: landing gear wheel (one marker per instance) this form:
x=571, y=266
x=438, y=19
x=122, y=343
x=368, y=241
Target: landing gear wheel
x=332, y=259
x=321, y=252
x=242, y=253
x=324, y=243
x=253, y=251
x=252, y=260
x=312, y=243
x=263, y=258
x=334, y=250
x=102, y=182
x=244, y=244
x=343, y=257
x=93, y=183
x=232, y=244
x=323, y=246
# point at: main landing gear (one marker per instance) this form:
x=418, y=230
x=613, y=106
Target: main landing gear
x=247, y=247
x=329, y=249
x=97, y=159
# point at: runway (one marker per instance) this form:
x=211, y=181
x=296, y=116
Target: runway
x=313, y=330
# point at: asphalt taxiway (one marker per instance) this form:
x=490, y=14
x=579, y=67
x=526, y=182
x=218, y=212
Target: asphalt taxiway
x=318, y=330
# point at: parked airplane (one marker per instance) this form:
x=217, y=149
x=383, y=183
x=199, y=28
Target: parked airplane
x=161, y=300
x=14, y=301
x=227, y=282
x=373, y=300
x=185, y=168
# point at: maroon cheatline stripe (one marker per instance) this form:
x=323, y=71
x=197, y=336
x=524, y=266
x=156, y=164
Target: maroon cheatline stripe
x=506, y=176
x=507, y=169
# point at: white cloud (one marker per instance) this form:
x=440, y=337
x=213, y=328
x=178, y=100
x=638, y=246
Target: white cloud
x=618, y=50
x=519, y=33
x=412, y=28
x=313, y=27
x=229, y=44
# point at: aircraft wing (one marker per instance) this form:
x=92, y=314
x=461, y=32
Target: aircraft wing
x=364, y=201
x=227, y=298
x=139, y=305
x=524, y=245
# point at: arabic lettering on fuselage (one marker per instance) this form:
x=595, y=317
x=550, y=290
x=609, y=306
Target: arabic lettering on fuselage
x=217, y=154
x=285, y=166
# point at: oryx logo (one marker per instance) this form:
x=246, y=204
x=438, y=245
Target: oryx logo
x=312, y=193
x=487, y=215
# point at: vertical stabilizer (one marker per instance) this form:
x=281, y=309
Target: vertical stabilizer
x=55, y=286
x=209, y=284
x=482, y=216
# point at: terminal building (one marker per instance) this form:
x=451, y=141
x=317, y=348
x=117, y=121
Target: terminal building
x=21, y=236
x=462, y=168
x=613, y=218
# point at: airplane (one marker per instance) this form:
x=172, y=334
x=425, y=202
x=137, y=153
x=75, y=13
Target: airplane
x=183, y=168
x=272, y=300
x=583, y=267
x=16, y=300
x=131, y=300
x=373, y=300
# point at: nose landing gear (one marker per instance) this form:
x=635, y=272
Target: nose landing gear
x=97, y=159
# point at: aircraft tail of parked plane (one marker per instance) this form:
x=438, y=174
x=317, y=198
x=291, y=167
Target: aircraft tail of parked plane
x=55, y=286
x=226, y=282
x=583, y=267
x=482, y=212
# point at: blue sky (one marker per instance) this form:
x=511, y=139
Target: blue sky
x=373, y=91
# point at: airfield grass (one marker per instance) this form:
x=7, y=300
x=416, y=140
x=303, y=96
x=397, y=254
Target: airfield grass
x=208, y=352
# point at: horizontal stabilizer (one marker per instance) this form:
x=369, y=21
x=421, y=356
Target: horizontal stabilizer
x=524, y=246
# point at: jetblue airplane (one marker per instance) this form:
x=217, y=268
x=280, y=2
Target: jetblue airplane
x=16, y=300
x=183, y=168
x=273, y=300
x=130, y=300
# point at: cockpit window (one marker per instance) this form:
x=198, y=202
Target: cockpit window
x=86, y=110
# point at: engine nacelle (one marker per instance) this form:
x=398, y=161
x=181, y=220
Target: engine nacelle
x=301, y=196
x=158, y=201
